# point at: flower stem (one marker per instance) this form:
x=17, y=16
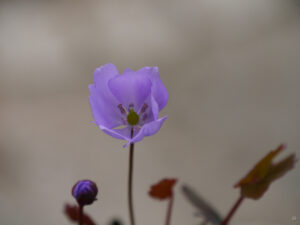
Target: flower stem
x=80, y=214
x=130, y=175
x=169, y=212
x=232, y=211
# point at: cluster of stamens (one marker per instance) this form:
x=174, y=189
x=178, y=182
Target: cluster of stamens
x=130, y=117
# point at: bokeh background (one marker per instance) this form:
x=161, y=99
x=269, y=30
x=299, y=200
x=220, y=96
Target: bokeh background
x=232, y=71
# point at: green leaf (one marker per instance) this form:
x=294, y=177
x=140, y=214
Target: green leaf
x=258, y=180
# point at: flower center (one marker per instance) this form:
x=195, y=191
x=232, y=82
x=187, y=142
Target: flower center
x=132, y=117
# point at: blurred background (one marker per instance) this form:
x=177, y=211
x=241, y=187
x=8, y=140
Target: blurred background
x=232, y=71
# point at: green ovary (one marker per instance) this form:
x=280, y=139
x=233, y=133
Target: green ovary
x=132, y=117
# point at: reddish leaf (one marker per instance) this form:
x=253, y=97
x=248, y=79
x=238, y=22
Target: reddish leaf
x=163, y=189
x=257, y=181
x=72, y=212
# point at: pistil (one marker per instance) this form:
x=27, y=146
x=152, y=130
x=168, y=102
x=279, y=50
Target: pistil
x=132, y=117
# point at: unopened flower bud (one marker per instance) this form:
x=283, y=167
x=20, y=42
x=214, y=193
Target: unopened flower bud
x=85, y=192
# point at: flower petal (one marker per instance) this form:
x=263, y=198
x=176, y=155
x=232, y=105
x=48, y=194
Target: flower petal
x=159, y=90
x=130, y=88
x=128, y=70
x=155, y=108
x=104, y=112
x=148, y=130
x=103, y=74
x=103, y=103
x=123, y=134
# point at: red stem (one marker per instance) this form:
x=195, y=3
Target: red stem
x=232, y=211
x=169, y=212
x=80, y=214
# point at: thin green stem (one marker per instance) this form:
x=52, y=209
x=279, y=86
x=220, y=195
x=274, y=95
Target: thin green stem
x=169, y=212
x=130, y=178
x=233, y=210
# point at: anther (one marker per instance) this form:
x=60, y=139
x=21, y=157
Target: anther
x=131, y=105
x=121, y=108
x=144, y=107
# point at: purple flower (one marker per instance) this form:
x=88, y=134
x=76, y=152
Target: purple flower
x=126, y=106
x=85, y=192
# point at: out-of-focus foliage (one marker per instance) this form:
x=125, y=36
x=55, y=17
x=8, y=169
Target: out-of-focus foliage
x=115, y=222
x=163, y=189
x=72, y=212
x=209, y=213
x=257, y=181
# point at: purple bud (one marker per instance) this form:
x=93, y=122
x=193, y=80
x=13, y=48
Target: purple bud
x=85, y=192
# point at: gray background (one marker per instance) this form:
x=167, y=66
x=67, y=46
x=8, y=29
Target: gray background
x=232, y=71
